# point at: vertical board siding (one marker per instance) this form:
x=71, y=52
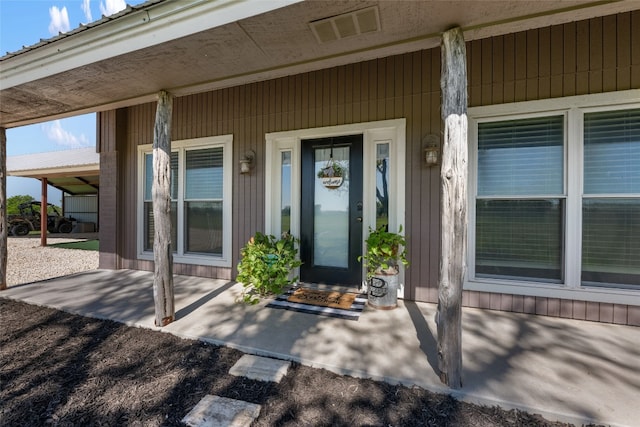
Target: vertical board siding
x=590, y=56
x=404, y=86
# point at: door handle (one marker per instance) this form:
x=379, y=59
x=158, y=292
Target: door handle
x=359, y=219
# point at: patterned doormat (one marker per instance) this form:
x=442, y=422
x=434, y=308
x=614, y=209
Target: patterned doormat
x=345, y=305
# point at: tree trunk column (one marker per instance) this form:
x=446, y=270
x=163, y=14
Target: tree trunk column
x=3, y=209
x=453, y=181
x=161, y=196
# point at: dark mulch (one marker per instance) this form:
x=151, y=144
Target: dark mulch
x=66, y=370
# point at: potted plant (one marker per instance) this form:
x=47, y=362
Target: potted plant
x=384, y=254
x=332, y=175
x=331, y=170
x=266, y=266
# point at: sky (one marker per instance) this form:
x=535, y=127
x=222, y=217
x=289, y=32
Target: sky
x=24, y=23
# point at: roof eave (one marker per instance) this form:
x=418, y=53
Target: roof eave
x=149, y=26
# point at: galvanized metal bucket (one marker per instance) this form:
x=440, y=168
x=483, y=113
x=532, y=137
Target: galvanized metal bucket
x=383, y=292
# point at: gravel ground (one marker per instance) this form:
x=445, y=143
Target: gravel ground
x=29, y=262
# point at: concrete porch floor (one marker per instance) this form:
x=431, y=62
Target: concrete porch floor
x=568, y=370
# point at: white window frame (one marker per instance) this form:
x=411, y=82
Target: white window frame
x=573, y=108
x=181, y=147
x=392, y=132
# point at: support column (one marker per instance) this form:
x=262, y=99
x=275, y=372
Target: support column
x=44, y=211
x=161, y=196
x=110, y=125
x=3, y=209
x=453, y=207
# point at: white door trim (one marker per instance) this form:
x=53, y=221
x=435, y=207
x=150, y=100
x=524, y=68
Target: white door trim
x=392, y=132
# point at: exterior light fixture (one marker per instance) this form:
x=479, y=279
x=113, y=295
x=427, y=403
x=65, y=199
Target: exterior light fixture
x=246, y=163
x=431, y=144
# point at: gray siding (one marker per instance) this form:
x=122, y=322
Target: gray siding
x=591, y=56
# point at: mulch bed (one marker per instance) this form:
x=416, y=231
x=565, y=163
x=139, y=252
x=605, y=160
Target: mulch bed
x=61, y=369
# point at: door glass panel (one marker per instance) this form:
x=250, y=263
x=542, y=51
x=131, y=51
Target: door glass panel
x=382, y=185
x=331, y=212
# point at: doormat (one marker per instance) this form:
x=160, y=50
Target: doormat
x=324, y=298
x=324, y=303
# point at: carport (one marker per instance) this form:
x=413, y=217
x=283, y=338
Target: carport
x=74, y=172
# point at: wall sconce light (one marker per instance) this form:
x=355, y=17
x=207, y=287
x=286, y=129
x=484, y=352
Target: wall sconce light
x=246, y=163
x=431, y=144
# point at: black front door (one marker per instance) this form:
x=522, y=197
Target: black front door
x=331, y=211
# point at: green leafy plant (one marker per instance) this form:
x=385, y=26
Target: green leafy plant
x=331, y=170
x=385, y=251
x=266, y=265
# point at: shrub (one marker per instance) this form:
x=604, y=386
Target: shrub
x=266, y=265
x=385, y=251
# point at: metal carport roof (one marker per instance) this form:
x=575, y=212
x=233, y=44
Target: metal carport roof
x=76, y=172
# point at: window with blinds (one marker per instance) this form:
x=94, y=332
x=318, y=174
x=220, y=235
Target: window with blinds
x=203, y=189
x=520, y=199
x=198, y=202
x=611, y=201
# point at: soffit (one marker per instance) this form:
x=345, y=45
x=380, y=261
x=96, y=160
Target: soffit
x=269, y=45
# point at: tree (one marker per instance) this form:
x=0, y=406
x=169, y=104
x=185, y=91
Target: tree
x=453, y=191
x=14, y=201
x=163, y=292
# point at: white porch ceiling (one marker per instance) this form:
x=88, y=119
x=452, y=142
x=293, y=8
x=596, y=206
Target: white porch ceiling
x=214, y=44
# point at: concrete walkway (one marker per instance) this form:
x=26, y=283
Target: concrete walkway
x=567, y=370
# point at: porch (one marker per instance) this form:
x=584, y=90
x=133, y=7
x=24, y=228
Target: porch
x=568, y=370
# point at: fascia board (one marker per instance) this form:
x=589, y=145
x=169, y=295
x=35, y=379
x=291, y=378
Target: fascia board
x=58, y=171
x=138, y=30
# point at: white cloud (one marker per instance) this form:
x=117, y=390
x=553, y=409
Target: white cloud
x=63, y=137
x=59, y=20
x=86, y=8
x=109, y=7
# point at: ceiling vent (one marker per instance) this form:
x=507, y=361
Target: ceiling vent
x=346, y=25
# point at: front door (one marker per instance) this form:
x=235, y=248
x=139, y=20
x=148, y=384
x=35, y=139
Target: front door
x=331, y=210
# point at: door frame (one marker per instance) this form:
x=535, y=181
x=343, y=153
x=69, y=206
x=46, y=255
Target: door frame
x=392, y=132
x=351, y=275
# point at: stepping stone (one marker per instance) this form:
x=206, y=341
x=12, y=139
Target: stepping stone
x=216, y=411
x=260, y=368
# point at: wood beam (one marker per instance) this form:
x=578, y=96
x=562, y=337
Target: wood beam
x=453, y=207
x=85, y=181
x=3, y=209
x=163, y=293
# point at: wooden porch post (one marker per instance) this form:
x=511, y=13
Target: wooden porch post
x=43, y=212
x=3, y=209
x=453, y=190
x=163, y=294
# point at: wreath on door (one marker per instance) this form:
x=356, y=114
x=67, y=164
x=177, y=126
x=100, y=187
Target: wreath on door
x=332, y=174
